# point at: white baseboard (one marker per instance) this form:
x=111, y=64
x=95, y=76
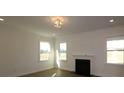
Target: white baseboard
x=34, y=72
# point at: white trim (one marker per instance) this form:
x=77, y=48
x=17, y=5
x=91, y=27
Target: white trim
x=83, y=55
x=114, y=64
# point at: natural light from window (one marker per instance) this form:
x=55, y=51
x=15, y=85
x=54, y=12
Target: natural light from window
x=115, y=51
x=44, y=51
x=63, y=49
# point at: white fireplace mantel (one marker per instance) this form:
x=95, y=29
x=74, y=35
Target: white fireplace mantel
x=90, y=57
x=83, y=55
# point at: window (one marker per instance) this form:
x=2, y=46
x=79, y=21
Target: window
x=44, y=51
x=115, y=50
x=62, y=51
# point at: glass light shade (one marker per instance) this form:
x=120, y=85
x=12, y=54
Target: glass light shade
x=58, y=21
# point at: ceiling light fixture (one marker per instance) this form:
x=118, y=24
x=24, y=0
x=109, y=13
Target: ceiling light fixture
x=58, y=21
x=111, y=21
x=1, y=19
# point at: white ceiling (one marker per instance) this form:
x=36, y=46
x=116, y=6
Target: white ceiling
x=73, y=24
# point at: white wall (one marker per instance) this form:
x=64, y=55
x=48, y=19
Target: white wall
x=19, y=52
x=92, y=42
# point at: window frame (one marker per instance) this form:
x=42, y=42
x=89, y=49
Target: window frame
x=62, y=60
x=48, y=52
x=112, y=39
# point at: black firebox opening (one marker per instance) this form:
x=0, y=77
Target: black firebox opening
x=82, y=67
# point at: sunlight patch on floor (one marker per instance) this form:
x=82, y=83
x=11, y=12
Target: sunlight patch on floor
x=53, y=75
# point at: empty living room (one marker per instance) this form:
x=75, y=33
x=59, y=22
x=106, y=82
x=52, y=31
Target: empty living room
x=61, y=46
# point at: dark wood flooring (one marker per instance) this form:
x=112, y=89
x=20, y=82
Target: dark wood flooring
x=54, y=73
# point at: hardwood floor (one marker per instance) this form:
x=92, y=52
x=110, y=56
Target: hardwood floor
x=54, y=73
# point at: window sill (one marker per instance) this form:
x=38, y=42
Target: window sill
x=114, y=64
x=44, y=61
x=63, y=60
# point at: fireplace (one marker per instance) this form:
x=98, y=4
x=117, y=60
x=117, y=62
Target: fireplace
x=82, y=67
